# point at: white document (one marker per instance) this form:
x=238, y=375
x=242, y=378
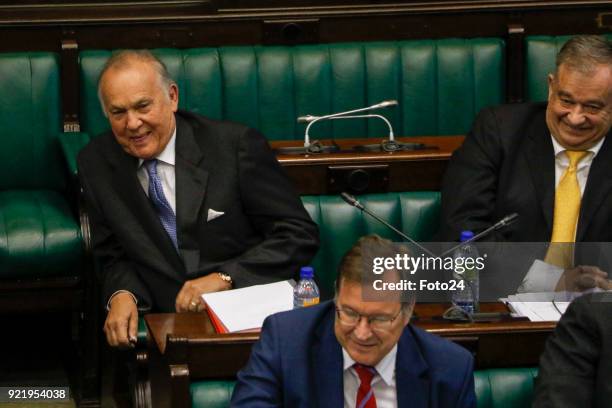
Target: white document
x=540, y=307
x=246, y=308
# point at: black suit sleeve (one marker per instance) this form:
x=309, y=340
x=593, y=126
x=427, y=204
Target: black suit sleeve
x=117, y=272
x=290, y=237
x=469, y=187
x=569, y=363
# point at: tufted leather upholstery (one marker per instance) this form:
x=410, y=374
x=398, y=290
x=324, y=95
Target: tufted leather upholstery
x=268, y=87
x=541, y=55
x=416, y=213
x=505, y=387
x=495, y=388
x=39, y=236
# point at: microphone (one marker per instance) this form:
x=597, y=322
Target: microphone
x=315, y=146
x=504, y=222
x=351, y=200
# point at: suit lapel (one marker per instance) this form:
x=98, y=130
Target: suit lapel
x=191, y=181
x=599, y=184
x=326, y=363
x=412, y=382
x=129, y=189
x=541, y=161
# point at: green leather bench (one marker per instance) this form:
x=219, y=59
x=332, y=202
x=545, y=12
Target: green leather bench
x=42, y=263
x=495, y=388
x=541, y=52
x=269, y=87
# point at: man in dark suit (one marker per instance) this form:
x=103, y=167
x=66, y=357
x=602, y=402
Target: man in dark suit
x=576, y=366
x=180, y=205
x=516, y=156
x=354, y=352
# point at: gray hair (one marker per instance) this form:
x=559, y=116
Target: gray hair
x=353, y=266
x=124, y=58
x=584, y=53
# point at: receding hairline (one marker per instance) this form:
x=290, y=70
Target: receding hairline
x=585, y=54
x=126, y=59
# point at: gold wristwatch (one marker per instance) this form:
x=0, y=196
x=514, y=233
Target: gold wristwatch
x=226, y=278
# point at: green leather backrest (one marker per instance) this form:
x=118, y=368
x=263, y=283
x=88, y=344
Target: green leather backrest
x=30, y=122
x=416, y=213
x=541, y=54
x=495, y=388
x=440, y=85
x=505, y=387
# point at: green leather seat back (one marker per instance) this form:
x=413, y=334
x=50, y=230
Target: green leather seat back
x=416, y=213
x=39, y=235
x=269, y=87
x=541, y=55
x=30, y=121
x=211, y=394
x=495, y=388
x=505, y=387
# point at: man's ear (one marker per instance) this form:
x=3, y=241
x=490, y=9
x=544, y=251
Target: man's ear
x=551, y=85
x=173, y=94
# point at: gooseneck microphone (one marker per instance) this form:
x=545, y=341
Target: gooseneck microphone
x=504, y=222
x=351, y=200
x=314, y=119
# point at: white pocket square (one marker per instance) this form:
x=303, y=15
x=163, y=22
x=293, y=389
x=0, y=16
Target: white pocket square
x=212, y=214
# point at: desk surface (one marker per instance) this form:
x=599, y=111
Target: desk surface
x=197, y=328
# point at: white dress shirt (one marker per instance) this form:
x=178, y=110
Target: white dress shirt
x=383, y=383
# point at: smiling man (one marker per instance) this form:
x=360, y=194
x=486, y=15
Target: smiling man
x=181, y=205
x=354, y=352
x=549, y=162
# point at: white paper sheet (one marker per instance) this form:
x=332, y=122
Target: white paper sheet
x=246, y=308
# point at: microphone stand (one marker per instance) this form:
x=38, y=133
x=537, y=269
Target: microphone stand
x=315, y=146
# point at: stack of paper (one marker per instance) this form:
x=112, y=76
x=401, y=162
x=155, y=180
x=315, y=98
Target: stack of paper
x=540, y=307
x=245, y=309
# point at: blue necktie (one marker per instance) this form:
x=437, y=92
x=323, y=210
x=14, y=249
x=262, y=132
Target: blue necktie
x=157, y=197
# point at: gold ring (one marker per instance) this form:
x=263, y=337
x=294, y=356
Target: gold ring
x=194, y=304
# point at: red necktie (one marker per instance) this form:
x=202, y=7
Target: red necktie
x=365, y=394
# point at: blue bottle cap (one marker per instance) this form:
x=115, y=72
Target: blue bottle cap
x=306, y=272
x=465, y=235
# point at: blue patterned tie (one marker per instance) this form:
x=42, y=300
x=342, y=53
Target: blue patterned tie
x=157, y=197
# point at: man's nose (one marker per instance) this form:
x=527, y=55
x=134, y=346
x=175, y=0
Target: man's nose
x=576, y=116
x=363, y=330
x=133, y=121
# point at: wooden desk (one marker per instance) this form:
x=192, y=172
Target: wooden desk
x=327, y=173
x=174, y=335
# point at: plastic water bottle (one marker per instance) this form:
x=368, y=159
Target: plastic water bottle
x=306, y=292
x=466, y=298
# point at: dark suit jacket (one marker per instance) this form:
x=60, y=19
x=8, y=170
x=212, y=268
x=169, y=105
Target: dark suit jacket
x=264, y=235
x=506, y=165
x=576, y=366
x=297, y=363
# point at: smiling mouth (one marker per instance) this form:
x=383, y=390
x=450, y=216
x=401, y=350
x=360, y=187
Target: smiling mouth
x=140, y=138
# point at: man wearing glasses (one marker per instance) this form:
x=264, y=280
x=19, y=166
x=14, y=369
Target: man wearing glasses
x=354, y=353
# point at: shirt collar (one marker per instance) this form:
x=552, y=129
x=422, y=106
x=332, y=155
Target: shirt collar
x=560, y=149
x=168, y=154
x=385, y=367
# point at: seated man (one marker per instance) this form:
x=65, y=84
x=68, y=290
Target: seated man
x=181, y=205
x=548, y=162
x=576, y=368
x=354, y=353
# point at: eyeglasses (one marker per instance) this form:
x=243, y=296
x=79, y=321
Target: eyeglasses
x=350, y=318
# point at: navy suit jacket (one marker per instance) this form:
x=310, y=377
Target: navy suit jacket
x=298, y=363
